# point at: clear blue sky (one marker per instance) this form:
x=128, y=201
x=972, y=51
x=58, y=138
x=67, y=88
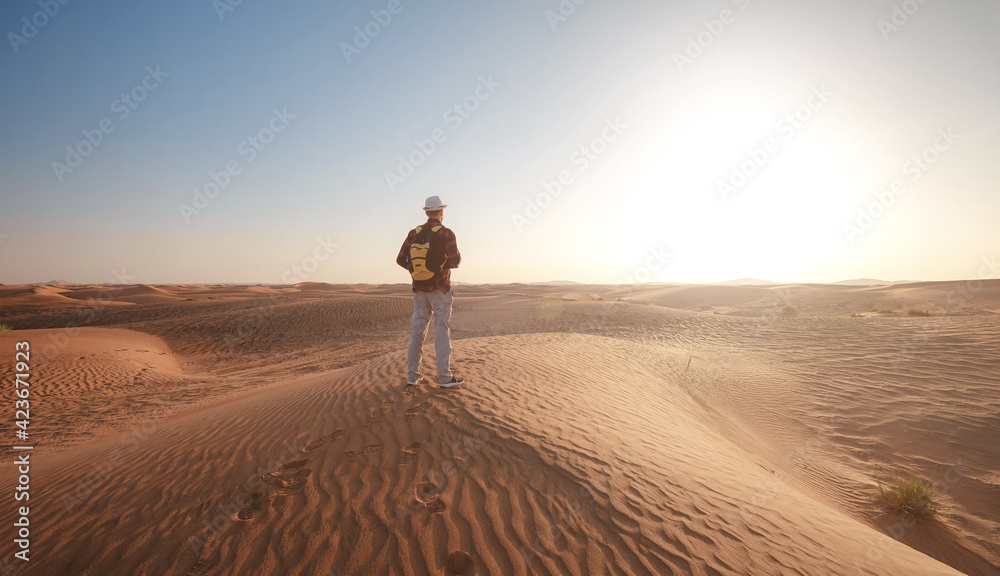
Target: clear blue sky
x=666, y=100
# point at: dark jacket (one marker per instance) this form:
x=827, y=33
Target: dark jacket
x=452, y=258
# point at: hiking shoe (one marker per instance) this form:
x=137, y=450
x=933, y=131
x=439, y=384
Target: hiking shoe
x=417, y=383
x=455, y=381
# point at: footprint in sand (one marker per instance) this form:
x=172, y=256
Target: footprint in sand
x=427, y=494
x=426, y=491
x=294, y=484
x=373, y=448
x=273, y=479
x=435, y=506
x=350, y=454
x=409, y=453
x=411, y=413
x=290, y=479
x=377, y=415
x=251, y=508
x=200, y=568
x=294, y=465
x=315, y=444
x=291, y=489
x=458, y=564
x=323, y=440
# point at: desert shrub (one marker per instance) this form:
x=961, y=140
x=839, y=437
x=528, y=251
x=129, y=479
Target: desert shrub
x=883, y=310
x=917, y=312
x=4, y=328
x=907, y=494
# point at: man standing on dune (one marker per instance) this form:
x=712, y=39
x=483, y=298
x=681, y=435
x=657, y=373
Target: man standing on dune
x=429, y=253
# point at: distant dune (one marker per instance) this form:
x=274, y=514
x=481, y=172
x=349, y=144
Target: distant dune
x=628, y=429
x=745, y=282
x=870, y=282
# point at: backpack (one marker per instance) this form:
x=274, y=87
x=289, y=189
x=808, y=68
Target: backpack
x=425, y=259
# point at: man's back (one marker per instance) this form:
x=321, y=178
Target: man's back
x=444, y=240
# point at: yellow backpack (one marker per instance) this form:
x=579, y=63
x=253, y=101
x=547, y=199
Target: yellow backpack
x=421, y=264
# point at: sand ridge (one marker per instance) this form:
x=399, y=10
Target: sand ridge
x=386, y=477
x=605, y=430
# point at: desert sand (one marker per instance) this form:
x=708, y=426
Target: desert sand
x=653, y=429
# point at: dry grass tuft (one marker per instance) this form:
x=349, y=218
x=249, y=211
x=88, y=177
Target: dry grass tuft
x=907, y=494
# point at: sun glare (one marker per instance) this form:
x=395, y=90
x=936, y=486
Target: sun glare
x=737, y=197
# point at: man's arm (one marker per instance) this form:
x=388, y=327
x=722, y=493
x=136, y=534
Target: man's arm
x=452, y=257
x=404, y=252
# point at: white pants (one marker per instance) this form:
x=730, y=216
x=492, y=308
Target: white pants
x=424, y=303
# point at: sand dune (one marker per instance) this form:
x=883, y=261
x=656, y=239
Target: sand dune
x=304, y=286
x=145, y=294
x=512, y=475
x=96, y=380
x=31, y=294
x=603, y=430
x=693, y=297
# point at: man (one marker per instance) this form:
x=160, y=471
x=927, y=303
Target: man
x=432, y=294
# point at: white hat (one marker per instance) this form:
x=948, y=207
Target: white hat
x=434, y=203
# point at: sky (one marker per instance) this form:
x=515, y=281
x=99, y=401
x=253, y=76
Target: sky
x=202, y=141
